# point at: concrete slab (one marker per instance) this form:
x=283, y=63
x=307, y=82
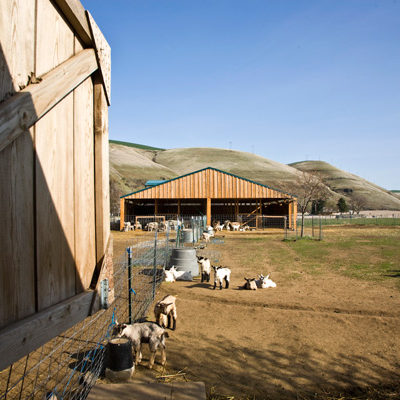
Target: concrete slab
x=149, y=391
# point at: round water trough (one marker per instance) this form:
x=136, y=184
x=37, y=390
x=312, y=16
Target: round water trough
x=184, y=259
x=187, y=236
x=120, y=354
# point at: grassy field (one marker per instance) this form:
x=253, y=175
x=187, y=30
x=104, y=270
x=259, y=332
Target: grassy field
x=352, y=221
x=328, y=331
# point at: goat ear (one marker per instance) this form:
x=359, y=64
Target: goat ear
x=267, y=276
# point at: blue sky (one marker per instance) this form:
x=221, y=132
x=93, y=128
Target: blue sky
x=286, y=79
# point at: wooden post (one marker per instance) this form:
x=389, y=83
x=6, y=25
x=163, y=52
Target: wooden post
x=155, y=207
x=102, y=195
x=236, y=210
x=208, y=211
x=290, y=214
x=179, y=207
x=294, y=214
x=121, y=214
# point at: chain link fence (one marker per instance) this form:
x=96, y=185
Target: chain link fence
x=69, y=365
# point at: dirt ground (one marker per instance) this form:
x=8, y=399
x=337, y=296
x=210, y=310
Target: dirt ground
x=318, y=331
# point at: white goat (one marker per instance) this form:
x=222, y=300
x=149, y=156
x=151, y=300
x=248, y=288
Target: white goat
x=235, y=226
x=144, y=332
x=205, y=268
x=152, y=226
x=206, y=236
x=165, y=311
x=264, y=282
x=137, y=225
x=221, y=274
x=173, y=275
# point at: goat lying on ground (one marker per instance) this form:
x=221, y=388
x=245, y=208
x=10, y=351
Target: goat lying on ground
x=250, y=284
x=165, y=311
x=221, y=274
x=205, y=268
x=264, y=282
x=173, y=275
x=144, y=332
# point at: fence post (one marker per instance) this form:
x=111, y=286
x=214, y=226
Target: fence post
x=285, y=227
x=155, y=264
x=166, y=247
x=312, y=226
x=320, y=228
x=129, y=251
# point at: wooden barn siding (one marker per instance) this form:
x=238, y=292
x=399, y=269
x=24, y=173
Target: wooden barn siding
x=50, y=195
x=208, y=183
x=16, y=169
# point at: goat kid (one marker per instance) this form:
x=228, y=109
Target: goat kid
x=264, y=282
x=221, y=274
x=205, y=268
x=250, y=284
x=144, y=332
x=165, y=312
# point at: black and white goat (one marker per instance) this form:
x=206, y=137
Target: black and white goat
x=221, y=274
x=205, y=268
x=265, y=282
x=250, y=284
x=165, y=312
x=144, y=332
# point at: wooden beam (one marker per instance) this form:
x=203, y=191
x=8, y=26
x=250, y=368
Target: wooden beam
x=208, y=211
x=21, y=111
x=101, y=167
x=103, y=54
x=74, y=12
x=23, y=337
x=122, y=214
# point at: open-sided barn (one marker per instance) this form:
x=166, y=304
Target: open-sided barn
x=217, y=194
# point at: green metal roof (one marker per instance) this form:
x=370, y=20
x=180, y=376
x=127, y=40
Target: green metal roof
x=203, y=169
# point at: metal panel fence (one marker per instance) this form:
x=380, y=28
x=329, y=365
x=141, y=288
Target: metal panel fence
x=69, y=365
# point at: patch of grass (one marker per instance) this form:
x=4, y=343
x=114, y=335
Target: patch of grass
x=353, y=221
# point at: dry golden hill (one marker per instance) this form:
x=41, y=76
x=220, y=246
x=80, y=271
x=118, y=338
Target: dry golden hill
x=131, y=167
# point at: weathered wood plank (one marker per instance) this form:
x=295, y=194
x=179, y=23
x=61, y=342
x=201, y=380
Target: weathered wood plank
x=84, y=185
x=17, y=21
x=17, y=261
x=75, y=14
x=27, y=335
x=102, y=196
x=103, y=53
x=26, y=107
x=17, y=285
x=55, y=205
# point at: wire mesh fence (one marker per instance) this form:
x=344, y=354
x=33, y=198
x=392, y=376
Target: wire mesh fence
x=69, y=365
x=310, y=228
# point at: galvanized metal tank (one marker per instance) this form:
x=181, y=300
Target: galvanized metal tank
x=187, y=235
x=184, y=259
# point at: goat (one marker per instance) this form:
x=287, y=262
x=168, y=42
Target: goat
x=205, y=268
x=264, y=282
x=227, y=225
x=206, y=236
x=235, y=226
x=144, y=332
x=218, y=226
x=152, y=226
x=165, y=310
x=250, y=284
x=173, y=275
x=137, y=225
x=221, y=274
x=169, y=274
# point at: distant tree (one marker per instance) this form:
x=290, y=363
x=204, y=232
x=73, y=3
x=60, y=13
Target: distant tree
x=342, y=205
x=308, y=187
x=357, y=203
x=317, y=206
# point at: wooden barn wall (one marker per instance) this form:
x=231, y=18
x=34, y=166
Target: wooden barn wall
x=208, y=183
x=47, y=201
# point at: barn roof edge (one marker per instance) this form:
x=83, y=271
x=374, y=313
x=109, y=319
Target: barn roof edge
x=203, y=169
